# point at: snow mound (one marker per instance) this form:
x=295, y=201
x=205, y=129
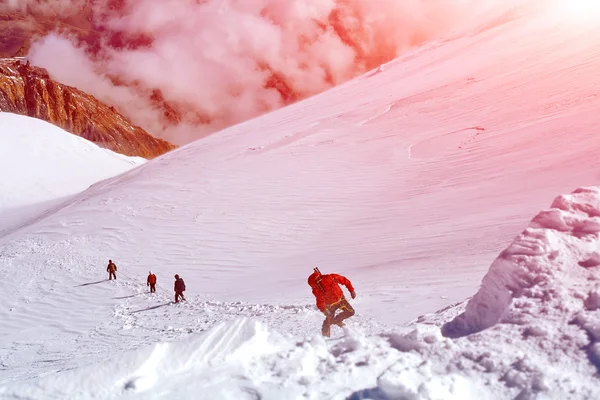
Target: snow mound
x=559, y=245
x=40, y=162
x=243, y=359
x=227, y=349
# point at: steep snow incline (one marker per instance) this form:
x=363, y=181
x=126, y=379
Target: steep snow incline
x=537, y=314
x=408, y=180
x=41, y=163
x=416, y=173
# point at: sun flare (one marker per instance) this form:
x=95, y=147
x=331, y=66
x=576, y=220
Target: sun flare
x=580, y=9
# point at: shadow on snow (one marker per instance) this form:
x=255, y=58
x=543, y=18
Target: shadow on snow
x=151, y=308
x=92, y=283
x=127, y=297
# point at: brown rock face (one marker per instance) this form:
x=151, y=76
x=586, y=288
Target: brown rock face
x=28, y=90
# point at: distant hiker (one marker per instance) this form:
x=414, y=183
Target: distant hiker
x=179, y=288
x=111, y=269
x=151, y=281
x=330, y=298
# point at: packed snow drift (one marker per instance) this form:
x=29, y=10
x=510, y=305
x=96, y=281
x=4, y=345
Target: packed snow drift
x=409, y=180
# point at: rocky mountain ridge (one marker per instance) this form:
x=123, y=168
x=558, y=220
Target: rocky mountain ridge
x=29, y=90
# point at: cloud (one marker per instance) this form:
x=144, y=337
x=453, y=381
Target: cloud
x=73, y=66
x=44, y=7
x=184, y=68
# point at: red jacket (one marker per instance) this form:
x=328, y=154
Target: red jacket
x=327, y=289
x=151, y=279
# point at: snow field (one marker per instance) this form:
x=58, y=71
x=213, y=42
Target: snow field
x=531, y=331
x=409, y=181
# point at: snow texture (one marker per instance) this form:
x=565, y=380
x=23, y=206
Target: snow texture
x=41, y=163
x=531, y=331
x=410, y=181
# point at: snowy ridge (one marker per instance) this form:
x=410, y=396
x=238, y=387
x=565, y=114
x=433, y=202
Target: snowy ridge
x=559, y=245
x=41, y=165
x=531, y=331
x=41, y=162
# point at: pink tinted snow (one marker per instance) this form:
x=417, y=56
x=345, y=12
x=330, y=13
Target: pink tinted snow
x=559, y=242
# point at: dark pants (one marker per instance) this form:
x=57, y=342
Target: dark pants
x=111, y=274
x=177, y=295
x=152, y=287
x=347, y=312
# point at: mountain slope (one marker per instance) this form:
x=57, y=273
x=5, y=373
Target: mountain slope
x=413, y=175
x=409, y=180
x=41, y=164
x=29, y=91
x=537, y=313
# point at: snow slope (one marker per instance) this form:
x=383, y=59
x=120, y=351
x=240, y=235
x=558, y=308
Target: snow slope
x=40, y=163
x=539, y=305
x=409, y=180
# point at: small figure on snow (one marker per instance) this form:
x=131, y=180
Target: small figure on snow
x=111, y=269
x=151, y=281
x=179, y=288
x=330, y=298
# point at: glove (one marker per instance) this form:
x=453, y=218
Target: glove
x=353, y=294
x=327, y=313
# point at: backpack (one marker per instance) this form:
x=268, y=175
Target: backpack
x=180, y=285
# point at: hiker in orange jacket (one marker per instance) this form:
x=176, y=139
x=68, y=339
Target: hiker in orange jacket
x=151, y=281
x=111, y=269
x=330, y=298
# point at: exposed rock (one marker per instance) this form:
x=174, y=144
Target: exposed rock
x=20, y=24
x=28, y=90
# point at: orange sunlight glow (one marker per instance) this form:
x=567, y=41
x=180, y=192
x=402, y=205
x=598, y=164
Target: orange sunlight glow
x=579, y=9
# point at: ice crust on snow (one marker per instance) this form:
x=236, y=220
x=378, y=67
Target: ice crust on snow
x=531, y=331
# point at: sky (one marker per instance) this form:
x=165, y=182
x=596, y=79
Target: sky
x=182, y=69
x=456, y=187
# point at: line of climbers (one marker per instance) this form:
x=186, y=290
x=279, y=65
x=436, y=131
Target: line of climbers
x=178, y=287
x=326, y=289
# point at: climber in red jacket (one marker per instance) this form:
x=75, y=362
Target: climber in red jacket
x=151, y=281
x=330, y=298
